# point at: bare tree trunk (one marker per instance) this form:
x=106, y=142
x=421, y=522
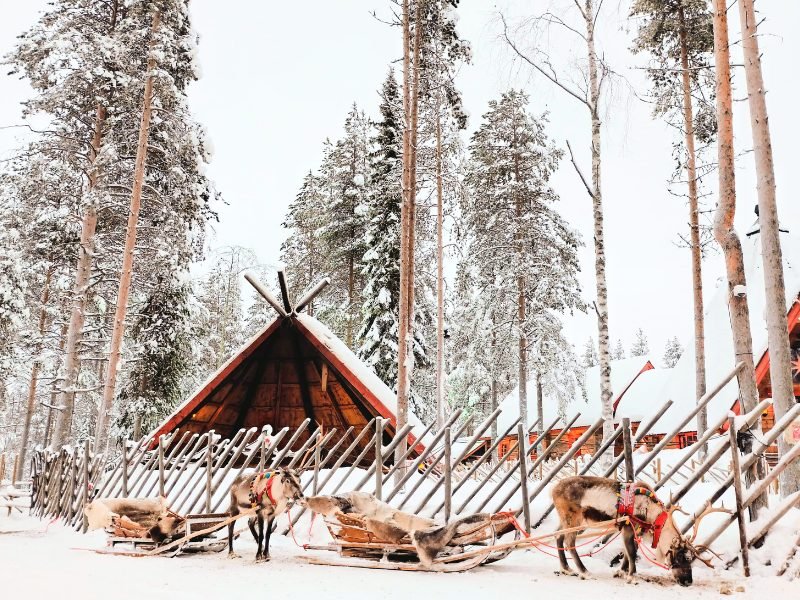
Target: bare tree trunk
x=724, y=231
x=603, y=341
x=522, y=343
x=539, y=405
x=493, y=393
x=63, y=427
x=780, y=368
x=62, y=342
x=37, y=365
x=104, y=415
x=351, y=292
x=694, y=231
x=403, y=359
x=440, y=408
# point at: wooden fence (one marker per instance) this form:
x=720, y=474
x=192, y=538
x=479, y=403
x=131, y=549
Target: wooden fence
x=444, y=480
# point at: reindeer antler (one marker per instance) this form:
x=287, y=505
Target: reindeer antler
x=708, y=510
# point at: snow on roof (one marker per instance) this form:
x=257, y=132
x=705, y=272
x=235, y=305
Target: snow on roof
x=361, y=371
x=643, y=398
x=720, y=358
x=623, y=373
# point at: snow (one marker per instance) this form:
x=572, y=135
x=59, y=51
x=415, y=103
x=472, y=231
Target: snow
x=641, y=401
x=623, y=373
x=720, y=358
x=51, y=561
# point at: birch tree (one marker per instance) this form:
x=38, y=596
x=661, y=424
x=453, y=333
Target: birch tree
x=590, y=96
x=724, y=230
x=679, y=36
x=104, y=414
x=780, y=365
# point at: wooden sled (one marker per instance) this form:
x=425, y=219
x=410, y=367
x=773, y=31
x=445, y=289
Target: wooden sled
x=199, y=530
x=358, y=546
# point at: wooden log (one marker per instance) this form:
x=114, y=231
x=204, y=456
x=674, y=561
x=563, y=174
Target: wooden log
x=287, y=304
x=108, y=485
x=340, y=461
x=523, y=475
x=229, y=452
x=473, y=471
x=266, y=294
x=209, y=473
x=506, y=460
x=124, y=466
x=448, y=475
x=161, y=480
x=463, y=455
x=282, y=454
x=398, y=463
x=789, y=558
x=312, y=293
x=539, y=461
x=564, y=460
x=737, y=488
x=701, y=403
x=180, y=464
x=718, y=452
x=379, y=458
x=170, y=459
x=415, y=465
x=755, y=491
x=388, y=451
x=430, y=470
x=14, y=473
x=627, y=448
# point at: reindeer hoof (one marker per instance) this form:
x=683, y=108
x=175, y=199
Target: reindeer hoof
x=565, y=572
x=619, y=573
x=233, y=555
x=631, y=579
x=585, y=576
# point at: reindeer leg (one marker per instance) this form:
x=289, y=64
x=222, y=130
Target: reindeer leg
x=562, y=556
x=260, y=552
x=270, y=521
x=570, y=539
x=628, y=568
x=234, y=510
x=251, y=523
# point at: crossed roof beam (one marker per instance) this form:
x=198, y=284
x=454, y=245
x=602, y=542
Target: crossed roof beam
x=286, y=309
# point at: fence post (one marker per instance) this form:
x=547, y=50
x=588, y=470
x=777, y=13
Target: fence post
x=737, y=488
x=161, y=483
x=315, y=475
x=523, y=475
x=627, y=448
x=14, y=472
x=124, y=465
x=448, y=475
x=379, y=458
x=209, y=463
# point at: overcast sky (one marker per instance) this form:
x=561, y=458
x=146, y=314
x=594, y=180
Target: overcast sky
x=279, y=77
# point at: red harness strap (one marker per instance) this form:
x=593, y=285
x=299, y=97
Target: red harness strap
x=255, y=498
x=626, y=505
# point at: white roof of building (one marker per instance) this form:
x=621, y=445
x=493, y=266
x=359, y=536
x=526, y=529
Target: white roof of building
x=720, y=358
x=644, y=398
x=623, y=373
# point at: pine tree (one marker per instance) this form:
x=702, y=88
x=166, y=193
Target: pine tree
x=377, y=337
x=679, y=36
x=619, y=351
x=672, y=352
x=525, y=254
x=640, y=346
x=345, y=171
x=301, y=251
x=589, y=357
x=158, y=380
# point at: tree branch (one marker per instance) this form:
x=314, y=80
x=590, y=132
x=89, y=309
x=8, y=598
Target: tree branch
x=580, y=174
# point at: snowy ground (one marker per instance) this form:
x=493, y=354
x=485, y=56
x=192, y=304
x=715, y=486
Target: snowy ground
x=52, y=562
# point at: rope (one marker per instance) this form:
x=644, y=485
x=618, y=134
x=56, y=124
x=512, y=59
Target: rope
x=513, y=520
x=291, y=530
x=647, y=553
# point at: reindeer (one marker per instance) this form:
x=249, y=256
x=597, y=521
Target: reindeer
x=586, y=500
x=270, y=493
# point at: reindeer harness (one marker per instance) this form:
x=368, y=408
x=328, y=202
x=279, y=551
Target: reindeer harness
x=256, y=497
x=626, y=498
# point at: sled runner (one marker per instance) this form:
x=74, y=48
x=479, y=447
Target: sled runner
x=359, y=542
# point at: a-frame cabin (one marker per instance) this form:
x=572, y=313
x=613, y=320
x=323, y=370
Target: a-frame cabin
x=296, y=368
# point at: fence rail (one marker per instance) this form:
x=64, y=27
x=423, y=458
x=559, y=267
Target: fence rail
x=443, y=480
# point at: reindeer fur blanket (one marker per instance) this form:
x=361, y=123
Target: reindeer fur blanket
x=388, y=523
x=146, y=512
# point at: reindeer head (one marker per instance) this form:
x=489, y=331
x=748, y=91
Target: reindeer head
x=292, y=488
x=680, y=552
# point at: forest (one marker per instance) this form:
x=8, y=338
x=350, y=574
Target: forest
x=453, y=268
